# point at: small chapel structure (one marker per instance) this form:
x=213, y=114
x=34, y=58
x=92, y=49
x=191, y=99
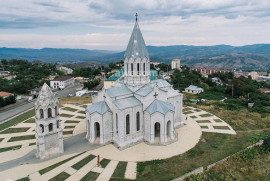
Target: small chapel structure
x=49, y=134
x=135, y=109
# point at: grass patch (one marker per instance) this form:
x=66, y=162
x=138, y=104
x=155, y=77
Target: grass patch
x=10, y=148
x=20, y=138
x=69, y=109
x=90, y=176
x=1, y=139
x=203, y=121
x=204, y=127
x=80, y=117
x=205, y=115
x=83, y=162
x=31, y=144
x=31, y=120
x=67, y=132
x=68, y=127
x=120, y=170
x=221, y=127
x=17, y=119
x=188, y=112
x=47, y=169
x=66, y=115
x=214, y=147
x=104, y=162
x=71, y=121
x=197, y=110
x=218, y=120
x=60, y=176
x=82, y=112
x=84, y=106
x=14, y=130
x=187, y=109
x=24, y=179
x=193, y=117
x=75, y=100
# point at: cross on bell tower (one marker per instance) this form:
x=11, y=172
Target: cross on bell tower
x=136, y=17
x=155, y=95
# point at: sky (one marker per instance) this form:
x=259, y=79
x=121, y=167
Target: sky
x=107, y=24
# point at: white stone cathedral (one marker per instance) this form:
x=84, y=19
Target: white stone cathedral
x=135, y=109
x=49, y=134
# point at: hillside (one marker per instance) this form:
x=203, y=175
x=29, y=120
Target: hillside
x=219, y=56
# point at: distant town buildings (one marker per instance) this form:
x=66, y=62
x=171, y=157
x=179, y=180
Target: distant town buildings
x=62, y=82
x=216, y=80
x=254, y=75
x=192, y=89
x=35, y=91
x=175, y=64
x=81, y=79
x=264, y=90
x=66, y=70
x=5, y=94
x=154, y=63
x=4, y=73
x=209, y=71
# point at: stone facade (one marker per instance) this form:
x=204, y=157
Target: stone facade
x=49, y=134
x=135, y=109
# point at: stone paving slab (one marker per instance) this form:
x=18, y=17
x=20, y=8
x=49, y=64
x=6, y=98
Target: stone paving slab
x=70, y=171
x=131, y=171
x=108, y=171
x=97, y=169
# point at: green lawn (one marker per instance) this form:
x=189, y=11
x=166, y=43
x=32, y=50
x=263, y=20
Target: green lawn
x=31, y=144
x=68, y=127
x=47, y=169
x=24, y=179
x=91, y=176
x=31, y=120
x=120, y=170
x=71, y=121
x=187, y=109
x=104, y=162
x=188, y=112
x=67, y=132
x=214, y=147
x=204, y=127
x=80, y=117
x=1, y=139
x=197, y=110
x=14, y=130
x=83, y=162
x=84, y=106
x=17, y=119
x=60, y=176
x=221, y=127
x=66, y=115
x=69, y=109
x=82, y=112
x=203, y=121
x=10, y=148
x=193, y=117
x=206, y=115
x=20, y=138
x=218, y=120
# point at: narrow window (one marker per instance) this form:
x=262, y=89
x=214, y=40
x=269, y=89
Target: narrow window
x=50, y=127
x=138, y=121
x=138, y=69
x=49, y=112
x=58, y=123
x=127, y=68
x=144, y=69
x=42, y=128
x=41, y=113
x=127, y=125
x=56, y=112
x=116, y=120
x=131, y=68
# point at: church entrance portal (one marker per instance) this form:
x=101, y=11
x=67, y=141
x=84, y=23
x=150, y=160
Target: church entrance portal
x=169, y=129
x=97, y=132
x=157, y=132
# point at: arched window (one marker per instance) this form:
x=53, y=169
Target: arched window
x=58, y=123
x=42, y=128
x=138, y=120
x=138, y=68
x=50, y=127
x=127, y=68
x=132, y=69
x=116, y=121
x=56, y=112
x=49, y=112
x=144, y=69
x=127, y=125
x=41, y=113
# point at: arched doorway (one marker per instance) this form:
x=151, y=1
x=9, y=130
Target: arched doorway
x=157, y=132
x=169, y=129
x=97, y=131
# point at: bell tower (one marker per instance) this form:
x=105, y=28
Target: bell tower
x=136, y=58
x=49, y=134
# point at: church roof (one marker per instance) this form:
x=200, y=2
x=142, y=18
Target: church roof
x=145, y=90
x=136, y=46
x=159, y=106
x=161, y=83
x=46, y=96
x=194, y=88
x=118, y=91
x=99, y=107
x=127, y=102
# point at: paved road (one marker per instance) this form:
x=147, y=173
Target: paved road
x=17, y=109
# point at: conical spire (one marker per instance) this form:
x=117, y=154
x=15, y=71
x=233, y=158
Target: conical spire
x=136, y=46
x=46, y=96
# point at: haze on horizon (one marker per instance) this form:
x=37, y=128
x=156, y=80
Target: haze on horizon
x=107, y=25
